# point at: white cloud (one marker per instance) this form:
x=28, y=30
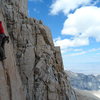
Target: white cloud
x=82, y=25
x=94, y=49
x=76, y=54
x=84, y=52
x=70, y=50
x=65, y=43
x=66, y=6
x=84, y=20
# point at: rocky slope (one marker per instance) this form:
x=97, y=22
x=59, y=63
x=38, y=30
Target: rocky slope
x=33, y=69
x=84, y=82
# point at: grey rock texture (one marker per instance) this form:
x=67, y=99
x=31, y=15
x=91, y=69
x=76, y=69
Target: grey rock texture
x=33, y=69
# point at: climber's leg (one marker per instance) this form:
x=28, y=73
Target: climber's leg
x=4, y=40
x=2, y=52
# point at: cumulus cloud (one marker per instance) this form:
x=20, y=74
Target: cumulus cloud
x=84, y=20
x=66, y=6
x=65, y=43
x=83, y=24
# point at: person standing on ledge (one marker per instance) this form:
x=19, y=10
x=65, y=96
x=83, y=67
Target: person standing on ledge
x=3, y=39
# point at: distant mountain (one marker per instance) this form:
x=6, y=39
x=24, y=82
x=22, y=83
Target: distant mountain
x=84, y=82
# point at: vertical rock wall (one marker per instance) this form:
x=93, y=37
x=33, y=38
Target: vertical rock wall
x=21, y=5
x=33, y=69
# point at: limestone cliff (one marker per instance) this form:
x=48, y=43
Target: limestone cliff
x=33, y=69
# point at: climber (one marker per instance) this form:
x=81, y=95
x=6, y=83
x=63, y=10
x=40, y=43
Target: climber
x=3, y=39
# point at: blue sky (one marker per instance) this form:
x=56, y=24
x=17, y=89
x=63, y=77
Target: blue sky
x=75, y=27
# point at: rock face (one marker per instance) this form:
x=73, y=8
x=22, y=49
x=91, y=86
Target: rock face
x=84, y=82
x=33, y=69
x=20, y=4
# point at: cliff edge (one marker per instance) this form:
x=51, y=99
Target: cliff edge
x=33, y=69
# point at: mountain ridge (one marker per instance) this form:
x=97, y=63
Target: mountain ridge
x=84, y=82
